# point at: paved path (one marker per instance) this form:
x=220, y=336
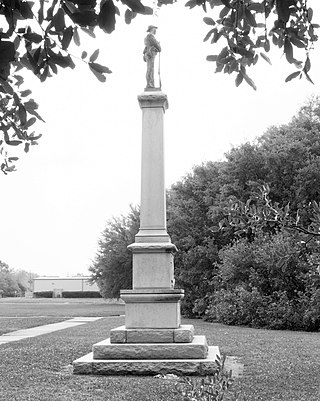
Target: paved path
x=48, y=328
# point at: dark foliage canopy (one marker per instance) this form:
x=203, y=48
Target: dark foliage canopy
x=37, y=35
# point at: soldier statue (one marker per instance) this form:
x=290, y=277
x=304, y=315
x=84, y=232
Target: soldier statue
x=152, y=47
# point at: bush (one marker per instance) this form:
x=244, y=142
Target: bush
x=43, y=294
x=272, y=282
x=81, y=294
x=238, y=307
x=250, y=308
x=269, y=263
x=69, y=294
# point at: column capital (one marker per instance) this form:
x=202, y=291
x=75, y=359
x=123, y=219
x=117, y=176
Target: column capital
x=153, y=99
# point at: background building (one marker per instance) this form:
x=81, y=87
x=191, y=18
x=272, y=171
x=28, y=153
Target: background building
x=63, y=285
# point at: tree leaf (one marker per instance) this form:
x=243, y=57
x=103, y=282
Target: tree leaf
x=70, y=7
x=33, y=37
x=45, y=74
x=7, y=53
x=209, y=21
x=292, y=76
x=209, y=34
x=247, y=78
x=212, y=57
x=59, y=59
x=265, y=57
x=14, y=142
x=67, y=37
x=98, y=75
x=135, y=5
x=250, y=18
x=84, y=55
x=40, y=12
x=239, y=79
x=94, y=56
x=226, y=3
x=307, y=65
x=100, y=68
x=25, y=10
x=34, y=113
x=51, y=9
x=30, y=122
x=308, y=77
x=266, y=45
x=76, y=37
x=84, y=18
x=25, y=93
x=6, y=86
x=107, y=16
x=58, y=20
x=257, y=7
x=191, y=3
x=288, y=50
x=53, y=66
x=297, y=42
x=22, y=114
x=224, y=12
x=128, y=16
x=147, y=11
x=88, y=31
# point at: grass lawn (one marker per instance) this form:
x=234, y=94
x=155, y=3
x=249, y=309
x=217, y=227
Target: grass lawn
x=58, y=307
x=8, y=325
x=279, y=365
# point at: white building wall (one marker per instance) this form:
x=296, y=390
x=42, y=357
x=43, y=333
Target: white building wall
x=41, y=284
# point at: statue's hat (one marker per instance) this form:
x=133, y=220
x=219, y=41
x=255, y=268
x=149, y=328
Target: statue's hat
x=151, y=27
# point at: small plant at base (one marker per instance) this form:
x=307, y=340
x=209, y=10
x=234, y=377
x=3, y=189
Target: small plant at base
x=209, y=388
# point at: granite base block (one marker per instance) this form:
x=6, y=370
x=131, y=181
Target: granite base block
x=197, y=349
x=183, y=334
x=198, y=367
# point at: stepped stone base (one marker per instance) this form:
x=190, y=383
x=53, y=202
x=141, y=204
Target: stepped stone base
x=199, y=367
x=152, y=308
x=183, y=334
x=197, y=349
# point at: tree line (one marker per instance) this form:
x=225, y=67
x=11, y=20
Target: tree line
x=14, y=283
x=247, y=231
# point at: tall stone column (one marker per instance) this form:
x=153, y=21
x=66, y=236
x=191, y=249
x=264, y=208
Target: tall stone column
x=153, y=340
x=153, y=302
x=153, y=226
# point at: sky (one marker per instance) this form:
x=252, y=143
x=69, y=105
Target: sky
x=86, y=168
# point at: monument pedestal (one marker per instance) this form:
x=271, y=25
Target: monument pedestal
x=153, y=340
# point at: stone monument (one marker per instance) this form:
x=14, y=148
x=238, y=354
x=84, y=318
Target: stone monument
x=153, y=340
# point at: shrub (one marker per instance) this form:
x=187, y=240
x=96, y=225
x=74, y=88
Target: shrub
x=238, y=307
x=271, y=282
x=249, y=307
x=269, y=263
x=43, y=294
x=81, y=294
x=69, y=294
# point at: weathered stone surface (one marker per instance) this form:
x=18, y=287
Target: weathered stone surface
x=200, y=367
x=152, y=269
x=197, y=349
x=152, y=315
x=118, y=335
x=150, y=336
x=184, y=334
x=83, y=365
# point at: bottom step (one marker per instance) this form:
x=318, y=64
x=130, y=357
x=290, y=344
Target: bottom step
x=200, y=367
